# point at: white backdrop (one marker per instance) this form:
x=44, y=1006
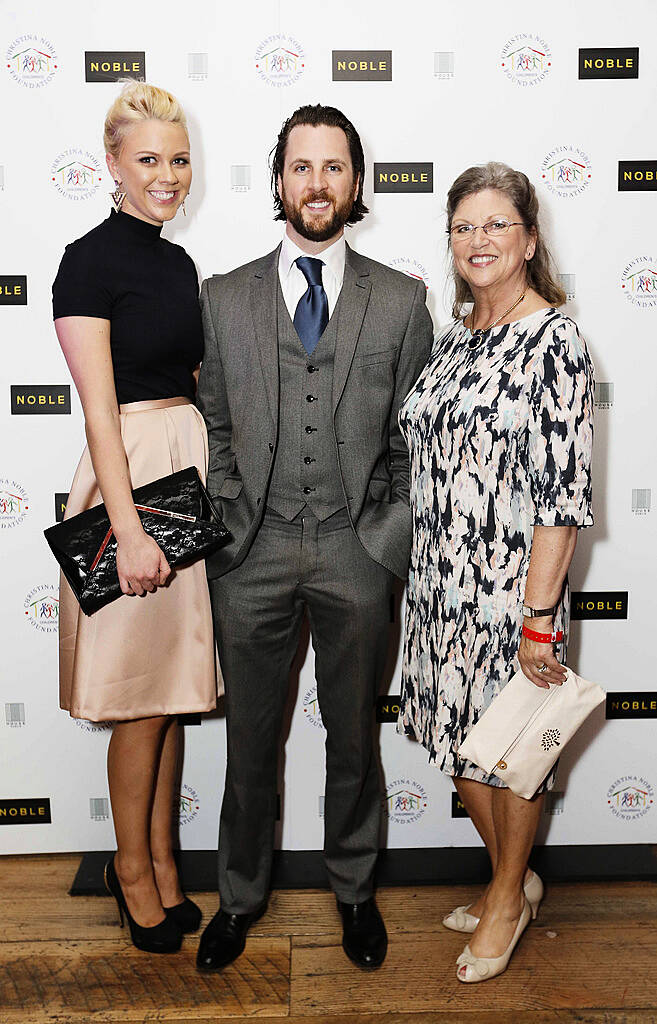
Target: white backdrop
x=468, y=83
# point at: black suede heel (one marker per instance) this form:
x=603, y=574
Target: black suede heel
x=165, y=937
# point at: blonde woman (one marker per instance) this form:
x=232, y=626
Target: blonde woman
x=126, y=312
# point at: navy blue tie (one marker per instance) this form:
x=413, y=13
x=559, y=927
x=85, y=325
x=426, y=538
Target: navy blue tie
x=311, y=315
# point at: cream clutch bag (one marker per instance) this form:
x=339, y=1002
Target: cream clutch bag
x=524, y=730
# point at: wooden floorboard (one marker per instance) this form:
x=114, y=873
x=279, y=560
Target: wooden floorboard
x=579, y=967
x=102, y=980
x=454, y=1016
x=589, y=958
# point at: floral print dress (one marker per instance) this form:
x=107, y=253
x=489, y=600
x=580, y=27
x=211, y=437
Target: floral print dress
x=500, y=439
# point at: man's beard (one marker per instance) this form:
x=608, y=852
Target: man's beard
x=328, y=228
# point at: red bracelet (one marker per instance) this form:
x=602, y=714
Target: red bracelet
x=542, y=638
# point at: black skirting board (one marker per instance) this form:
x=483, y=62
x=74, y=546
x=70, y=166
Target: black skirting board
x=304, y=869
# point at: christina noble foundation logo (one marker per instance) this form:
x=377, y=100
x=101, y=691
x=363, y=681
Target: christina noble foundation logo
x=526, y=59
x=630, y=797
x=412, y=268
x=41, y=607
x=406, y=801
x=86, y=726
x=566, y=170
x=75, y=173
x=32, y=61
x=311, y=712
x=280, y=60
x=14, y=504
x=188, y=804
x=639, y=282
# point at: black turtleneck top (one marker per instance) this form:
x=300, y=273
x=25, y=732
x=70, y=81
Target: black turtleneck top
x=124, y=272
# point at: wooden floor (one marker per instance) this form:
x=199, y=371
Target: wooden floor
x=590, y=957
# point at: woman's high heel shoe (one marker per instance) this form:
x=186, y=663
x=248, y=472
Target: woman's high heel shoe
x=534, y=892
x=470, y=968
x=186, y=915
x=461, y=921
x=165, y=937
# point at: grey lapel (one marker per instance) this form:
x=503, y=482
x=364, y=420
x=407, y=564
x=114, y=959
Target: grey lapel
x=355, y=296
x=264, y=286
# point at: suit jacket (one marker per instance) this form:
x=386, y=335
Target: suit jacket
x=384, y=340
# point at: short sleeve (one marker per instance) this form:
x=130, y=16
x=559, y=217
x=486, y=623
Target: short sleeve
x=80, y=287
x=561, y=429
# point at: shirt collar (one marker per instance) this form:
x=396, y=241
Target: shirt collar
x=333, y=258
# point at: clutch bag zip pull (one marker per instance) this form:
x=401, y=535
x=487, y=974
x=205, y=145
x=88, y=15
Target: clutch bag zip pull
x=140, y=508
x=503, y=761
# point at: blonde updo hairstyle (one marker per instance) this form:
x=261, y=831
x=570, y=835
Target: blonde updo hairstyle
x=139, y=101
x=517, y=187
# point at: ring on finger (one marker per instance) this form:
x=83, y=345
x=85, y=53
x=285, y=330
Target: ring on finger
x=542, y=668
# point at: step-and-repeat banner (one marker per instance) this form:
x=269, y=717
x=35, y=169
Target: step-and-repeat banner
x=432, y=88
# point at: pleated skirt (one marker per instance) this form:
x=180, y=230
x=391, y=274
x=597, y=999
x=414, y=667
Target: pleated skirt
x=142, y=656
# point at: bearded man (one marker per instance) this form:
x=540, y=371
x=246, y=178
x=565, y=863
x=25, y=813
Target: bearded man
x=309, y=352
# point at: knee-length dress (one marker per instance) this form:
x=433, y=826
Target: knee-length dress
x=500, y=439
x=154, y=655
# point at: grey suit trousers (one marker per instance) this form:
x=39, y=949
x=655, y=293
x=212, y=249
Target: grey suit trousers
x=258, y=608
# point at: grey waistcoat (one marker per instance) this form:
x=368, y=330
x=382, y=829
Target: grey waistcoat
x=306, y=470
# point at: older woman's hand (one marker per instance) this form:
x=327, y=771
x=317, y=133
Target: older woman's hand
x=532, y=656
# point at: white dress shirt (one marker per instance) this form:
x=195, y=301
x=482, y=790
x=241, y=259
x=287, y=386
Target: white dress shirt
x=294, y=284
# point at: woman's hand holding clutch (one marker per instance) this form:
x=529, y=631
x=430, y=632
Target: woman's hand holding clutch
x=140, y=564
x=537, y=660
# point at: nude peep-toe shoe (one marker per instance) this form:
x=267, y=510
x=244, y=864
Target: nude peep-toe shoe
x=461, y=921
x=470, y=968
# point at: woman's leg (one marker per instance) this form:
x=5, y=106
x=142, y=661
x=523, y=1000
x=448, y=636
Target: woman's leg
x=132, y=768
x=162, y=819
x=515, y=822
x=477, y=799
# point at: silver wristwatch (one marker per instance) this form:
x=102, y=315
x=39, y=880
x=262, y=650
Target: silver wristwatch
x=537, y=613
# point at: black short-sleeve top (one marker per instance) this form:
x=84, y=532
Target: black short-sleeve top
x=125, y=272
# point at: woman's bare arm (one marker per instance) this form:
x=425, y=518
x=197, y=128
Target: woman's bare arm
x=85, y=342
x=552, y=551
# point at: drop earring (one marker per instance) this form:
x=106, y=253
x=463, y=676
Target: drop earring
x=117, y=196
x=183, y=206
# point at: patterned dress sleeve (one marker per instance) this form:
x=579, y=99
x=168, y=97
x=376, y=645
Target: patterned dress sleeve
x=561, y=428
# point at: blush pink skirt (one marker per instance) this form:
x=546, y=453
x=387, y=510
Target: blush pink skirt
x=152, y=655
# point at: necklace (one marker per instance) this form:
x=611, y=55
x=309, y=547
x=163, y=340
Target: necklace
x=478, y=332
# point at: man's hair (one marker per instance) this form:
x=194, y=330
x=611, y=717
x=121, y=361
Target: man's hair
x=332, y=118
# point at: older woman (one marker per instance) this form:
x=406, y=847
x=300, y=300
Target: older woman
x=499, y=427
x=127, y=317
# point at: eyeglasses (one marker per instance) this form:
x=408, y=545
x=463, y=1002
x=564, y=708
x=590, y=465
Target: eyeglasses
x=500, y=226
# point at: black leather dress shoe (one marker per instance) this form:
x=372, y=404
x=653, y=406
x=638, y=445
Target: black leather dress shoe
x=364, y=936
x=224, y=939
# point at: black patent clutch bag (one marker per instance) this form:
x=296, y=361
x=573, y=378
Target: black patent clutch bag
x=176, y=511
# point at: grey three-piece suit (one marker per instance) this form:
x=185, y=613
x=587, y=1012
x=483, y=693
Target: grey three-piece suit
x=310, y=472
